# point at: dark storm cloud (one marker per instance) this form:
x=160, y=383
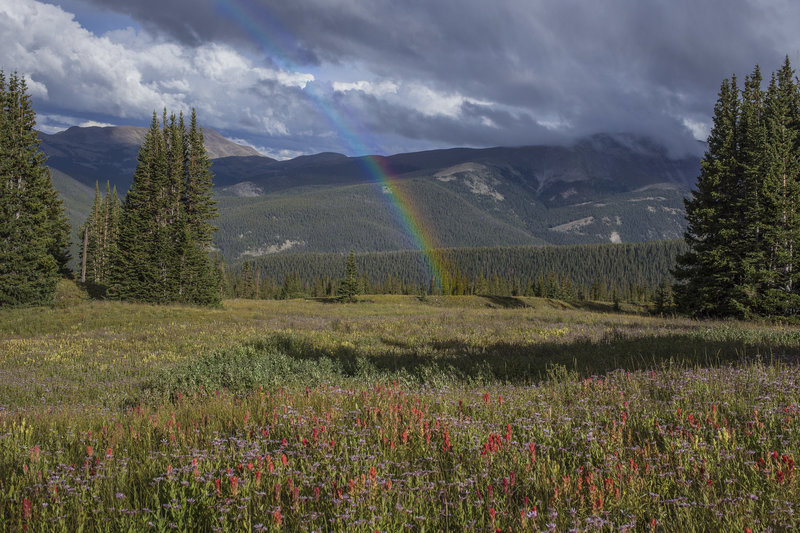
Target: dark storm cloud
x=646, y=66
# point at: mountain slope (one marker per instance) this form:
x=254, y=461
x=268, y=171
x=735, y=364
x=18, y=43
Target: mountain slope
x=109, y=153
x=604, y=188
x=601, y=189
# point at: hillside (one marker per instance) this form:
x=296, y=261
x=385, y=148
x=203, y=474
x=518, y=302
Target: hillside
x=109, y=153
x=604, y=188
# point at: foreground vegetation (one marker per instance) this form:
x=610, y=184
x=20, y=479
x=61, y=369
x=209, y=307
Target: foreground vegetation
x=452, y=413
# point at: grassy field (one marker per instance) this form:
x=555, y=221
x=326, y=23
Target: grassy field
x=394, y=414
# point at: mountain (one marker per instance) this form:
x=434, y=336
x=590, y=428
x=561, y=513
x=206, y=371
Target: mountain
x=109, y=153
x=603, y=188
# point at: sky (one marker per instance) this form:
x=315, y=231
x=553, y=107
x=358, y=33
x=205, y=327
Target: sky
x=387, y=76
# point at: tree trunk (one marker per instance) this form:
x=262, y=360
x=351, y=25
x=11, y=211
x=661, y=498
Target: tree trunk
x=83, y=258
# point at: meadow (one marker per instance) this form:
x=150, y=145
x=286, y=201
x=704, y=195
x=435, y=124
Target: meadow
x=394, y=414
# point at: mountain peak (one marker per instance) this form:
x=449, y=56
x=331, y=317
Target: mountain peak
x=104, y=138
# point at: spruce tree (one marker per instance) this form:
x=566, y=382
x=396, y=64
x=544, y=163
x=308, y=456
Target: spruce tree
x=781, y=191
x=101, y=231
x=707, y=267
x=753, y=265
x=743, y=221
x=164, y=237
x=134, y=272
x=349, y=287
x=34, y=233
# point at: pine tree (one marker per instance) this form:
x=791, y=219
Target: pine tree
x=708, y=265
x=781, y=192
x=662, y=300
x=92, y=233
x=164, y=236
x=748, y=244
x=101, y=231
x=293, y=287
x=744, y=224
x=348, y=289
x=34, y=233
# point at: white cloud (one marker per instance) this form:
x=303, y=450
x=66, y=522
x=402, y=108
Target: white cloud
x=95, y=124
x=375, y=89
x=280, y=155
x=415, y=96
x=700, y=129
x=129, y=74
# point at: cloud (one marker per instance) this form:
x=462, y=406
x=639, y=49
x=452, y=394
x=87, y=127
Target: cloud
x=382, y=88
x=425, y=73
x=95, y=124
x=129, y=74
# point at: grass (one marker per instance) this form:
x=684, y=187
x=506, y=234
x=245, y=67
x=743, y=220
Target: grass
x=391, y=414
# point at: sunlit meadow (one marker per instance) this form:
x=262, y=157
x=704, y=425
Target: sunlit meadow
x=394, y=414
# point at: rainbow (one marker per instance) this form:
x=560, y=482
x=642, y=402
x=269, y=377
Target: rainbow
x=263, y=27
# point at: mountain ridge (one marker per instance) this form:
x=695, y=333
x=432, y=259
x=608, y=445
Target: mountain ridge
x=603, y=188
x=101, y=153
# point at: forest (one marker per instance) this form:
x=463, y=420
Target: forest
x=636, y=272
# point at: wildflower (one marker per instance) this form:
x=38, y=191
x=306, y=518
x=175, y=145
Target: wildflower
x=26, y=509
x=278, y=518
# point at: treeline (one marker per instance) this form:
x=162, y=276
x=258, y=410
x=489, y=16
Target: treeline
x=744, y=217
x=628, y=272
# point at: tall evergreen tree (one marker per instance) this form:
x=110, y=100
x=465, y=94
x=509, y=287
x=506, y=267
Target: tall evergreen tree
x=101, y=231
x=744, y=225
x=782, y=192
x=707, y=268
x=750, y=204
x=164, y=237
x=349, y=287
x=34, y=233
